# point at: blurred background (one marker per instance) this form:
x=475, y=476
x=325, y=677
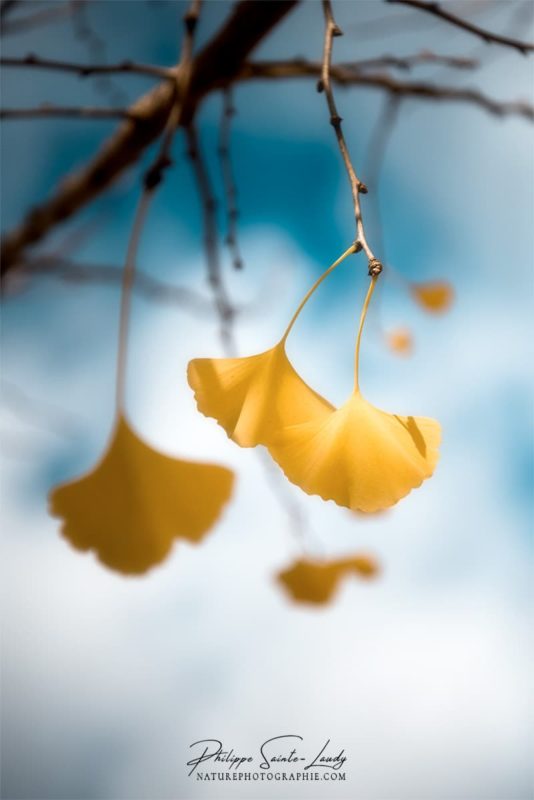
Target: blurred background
x=421, y=675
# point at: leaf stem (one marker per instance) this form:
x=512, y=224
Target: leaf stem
x=359, y=337
x=331, y=268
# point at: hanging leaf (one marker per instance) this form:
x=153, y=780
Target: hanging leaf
x=359, y=456
x=253, y=398
x=136, y=502
x=400, y=341
x=316, y=582
x=434, y=296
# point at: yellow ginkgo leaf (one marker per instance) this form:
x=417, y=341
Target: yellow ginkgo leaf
x=253, y=398
x=433, y=296
x=132, y=506
x=400, y=341
x=316, y=582
x=359, y=456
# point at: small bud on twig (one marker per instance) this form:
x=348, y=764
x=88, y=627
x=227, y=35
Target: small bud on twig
x=375, y=268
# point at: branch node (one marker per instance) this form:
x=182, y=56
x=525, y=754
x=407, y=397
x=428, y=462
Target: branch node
x=375, y=268
x=190, y=22
x=154, y=175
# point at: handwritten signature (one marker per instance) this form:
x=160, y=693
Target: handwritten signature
x=273, y=752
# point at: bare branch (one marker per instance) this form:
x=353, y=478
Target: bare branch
x=50, y=111
x=489, y=37
x=226, y=313
x=407, y=62
x=357, y=187
x=216, y=65
x=85, y=70
x=224, y=308
x=36, y=20
x=232, y=212
x=399, y=23
x=151, y=181
x=344, y=75
x=150, y=288
x=97, y=51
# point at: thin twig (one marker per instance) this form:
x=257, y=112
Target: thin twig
x=232, y=211
x=84, y=70
x=399, y=23
x=489, y=37
x=215, y=279
x=97, y=52
x=42, y=17
x=150, y=288
x=357, y=187
x=282, y=490
x=151, y=181
x=226, y=313
x=49, y=111
x=520, y=19
x=417, y=59
x=343, y=75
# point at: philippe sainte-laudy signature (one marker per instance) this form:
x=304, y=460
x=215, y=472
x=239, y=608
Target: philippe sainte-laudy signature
x=273, y=753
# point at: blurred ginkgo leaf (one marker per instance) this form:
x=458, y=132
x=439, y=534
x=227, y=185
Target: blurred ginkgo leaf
x=136, y=501
x=400, y=341
x=434, y=296
x=317, y=581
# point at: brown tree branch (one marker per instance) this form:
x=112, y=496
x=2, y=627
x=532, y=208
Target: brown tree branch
x=399, y=23
x=216, y=65
x=489, y=37
x=223, y=306
x=345, y=75
x=407, y=62
x=150, y=288
x=356, y=186
x=151, y=181
x=39, y=18
x=50, y=111
x=84, y=70
x=232, y=212
x=97, y=50
x=226, y=313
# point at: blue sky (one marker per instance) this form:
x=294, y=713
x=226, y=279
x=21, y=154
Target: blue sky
x=421, y=676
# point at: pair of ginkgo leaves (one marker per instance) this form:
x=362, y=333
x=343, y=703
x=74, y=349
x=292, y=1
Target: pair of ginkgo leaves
x=356, y=455
x=136, y=501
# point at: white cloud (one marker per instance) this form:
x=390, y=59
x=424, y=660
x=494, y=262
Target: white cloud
x=421, y=676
